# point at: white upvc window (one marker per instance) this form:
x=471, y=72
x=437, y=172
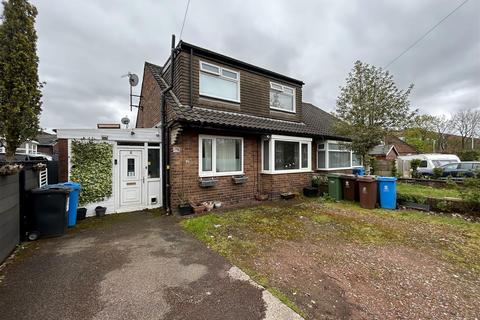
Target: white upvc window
x=218, y=82
x=282, y=97
x=334, y=155
x=220, y=156
x=285, y=154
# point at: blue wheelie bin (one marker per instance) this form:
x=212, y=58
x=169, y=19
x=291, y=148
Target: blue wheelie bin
x=359, y=171
x=73, y=201
x=387, y=191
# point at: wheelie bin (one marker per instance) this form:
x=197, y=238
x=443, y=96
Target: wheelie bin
x=359, y=171
x=334, y=186
x=48, y=215
x=387, y=190
x=73, y=201
x=349, y=187
x=367, y=187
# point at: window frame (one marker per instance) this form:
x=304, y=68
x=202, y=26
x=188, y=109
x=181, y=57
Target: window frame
x=213, y=172
x=271, y=150
x=327, y=158
x=221, y=76
x=294, y=92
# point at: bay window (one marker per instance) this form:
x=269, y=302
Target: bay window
x=283, y=154
x=335, y=155
x=218, y=82
x=282, y=97
x=220, y=156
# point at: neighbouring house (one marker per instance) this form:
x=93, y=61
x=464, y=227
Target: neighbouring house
x=27, y=150
x=47, y=143
x=233, y=130
x=384, y=152
x=402, y=148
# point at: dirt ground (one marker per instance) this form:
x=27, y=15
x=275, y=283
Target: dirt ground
x=337, y=261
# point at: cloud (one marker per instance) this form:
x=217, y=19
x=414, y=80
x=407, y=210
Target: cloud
x=86, y=46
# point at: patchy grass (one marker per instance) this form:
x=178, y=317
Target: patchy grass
x=416, y=190
x=250, y=237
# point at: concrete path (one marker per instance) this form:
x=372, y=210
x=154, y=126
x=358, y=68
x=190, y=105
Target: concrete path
x=131, y=266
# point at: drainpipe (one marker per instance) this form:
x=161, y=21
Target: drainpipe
x=166, y=136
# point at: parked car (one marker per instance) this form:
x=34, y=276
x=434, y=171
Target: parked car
x=461, y=169
x=429, y=161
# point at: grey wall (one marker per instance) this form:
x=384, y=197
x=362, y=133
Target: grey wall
x=9, y=214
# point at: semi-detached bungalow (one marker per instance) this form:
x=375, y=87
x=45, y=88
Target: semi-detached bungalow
x=225, y=130
x=233, y=130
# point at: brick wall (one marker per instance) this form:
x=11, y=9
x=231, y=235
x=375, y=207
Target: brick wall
x=149, y=115
x=185, y=174
x=62, y=146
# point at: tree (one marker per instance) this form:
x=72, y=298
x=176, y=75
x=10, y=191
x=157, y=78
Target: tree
x=443, y=126
x=421, y=133
x=466, y=123
x=370, y=106
x=20, y=89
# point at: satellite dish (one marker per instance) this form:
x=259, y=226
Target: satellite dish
x=133, y=79
x=125, y=121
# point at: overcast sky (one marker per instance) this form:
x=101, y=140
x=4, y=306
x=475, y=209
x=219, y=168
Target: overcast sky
x=86, y=46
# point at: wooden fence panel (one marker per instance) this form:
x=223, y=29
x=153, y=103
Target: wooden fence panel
x=9, y=215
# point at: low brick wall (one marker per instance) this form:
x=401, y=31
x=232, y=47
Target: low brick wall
x=275, y=184
x=434, y=183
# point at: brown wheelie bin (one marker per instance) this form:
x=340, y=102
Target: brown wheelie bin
x=350, y=187
x=367, y=187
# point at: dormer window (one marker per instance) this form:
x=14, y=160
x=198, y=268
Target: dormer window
x=220, y=83
x=282, y=97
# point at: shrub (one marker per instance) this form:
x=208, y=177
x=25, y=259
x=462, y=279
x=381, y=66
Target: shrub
x=471, y=190
x=394, y=171
x=414, y=163
x=92, y=168
x=319, y=180
x=437, y=173
x=469, y=155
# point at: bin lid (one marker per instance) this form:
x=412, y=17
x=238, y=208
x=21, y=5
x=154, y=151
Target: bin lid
x=73, y=185
x=334, y=175
x=386, y=179
x=51, y=189
x=349, y=176
x=367, y=178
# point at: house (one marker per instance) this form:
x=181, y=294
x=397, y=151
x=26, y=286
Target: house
x=47, y=143
x=233, y=130
x=384, y=152
x=403, y=148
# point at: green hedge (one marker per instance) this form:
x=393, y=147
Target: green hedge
x=92, y=168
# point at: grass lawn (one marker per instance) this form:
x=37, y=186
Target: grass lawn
x=426, y=191
x=336, y=260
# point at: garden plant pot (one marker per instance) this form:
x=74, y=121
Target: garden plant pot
x=184, y=209
x=287, y=195
x=198, y=209
x=81, y=213
x=310, y=192
x=100, y=211
x=261, y=197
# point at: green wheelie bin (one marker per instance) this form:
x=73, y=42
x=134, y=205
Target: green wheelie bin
x=334, y=186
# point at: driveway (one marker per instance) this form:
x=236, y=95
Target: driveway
x=130, y=266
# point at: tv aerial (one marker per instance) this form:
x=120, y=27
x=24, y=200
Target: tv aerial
x=133, y=80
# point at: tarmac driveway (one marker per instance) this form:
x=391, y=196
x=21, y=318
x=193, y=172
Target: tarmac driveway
x=130, y=266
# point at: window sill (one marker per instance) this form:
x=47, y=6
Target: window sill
x=332, y=169
x=286, y=171
x=220, y=174
x=283, y=110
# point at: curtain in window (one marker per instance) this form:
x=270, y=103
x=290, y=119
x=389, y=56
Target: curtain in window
x=304, y=155
x=218, y=87
x=281, y=100
x=207, y=155
x=266, y=155
x=228, y=155
x=287, y=155
x=339, y=159
x=321, y=159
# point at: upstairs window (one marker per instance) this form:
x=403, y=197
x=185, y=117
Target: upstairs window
x=282, y=97
x=218, y=82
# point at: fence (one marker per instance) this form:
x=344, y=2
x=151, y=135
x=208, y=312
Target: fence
x=14, y=190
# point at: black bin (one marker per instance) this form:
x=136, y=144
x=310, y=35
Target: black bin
x=49, y=211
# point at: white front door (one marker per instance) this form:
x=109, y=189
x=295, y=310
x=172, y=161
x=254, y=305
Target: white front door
x=131, y=177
